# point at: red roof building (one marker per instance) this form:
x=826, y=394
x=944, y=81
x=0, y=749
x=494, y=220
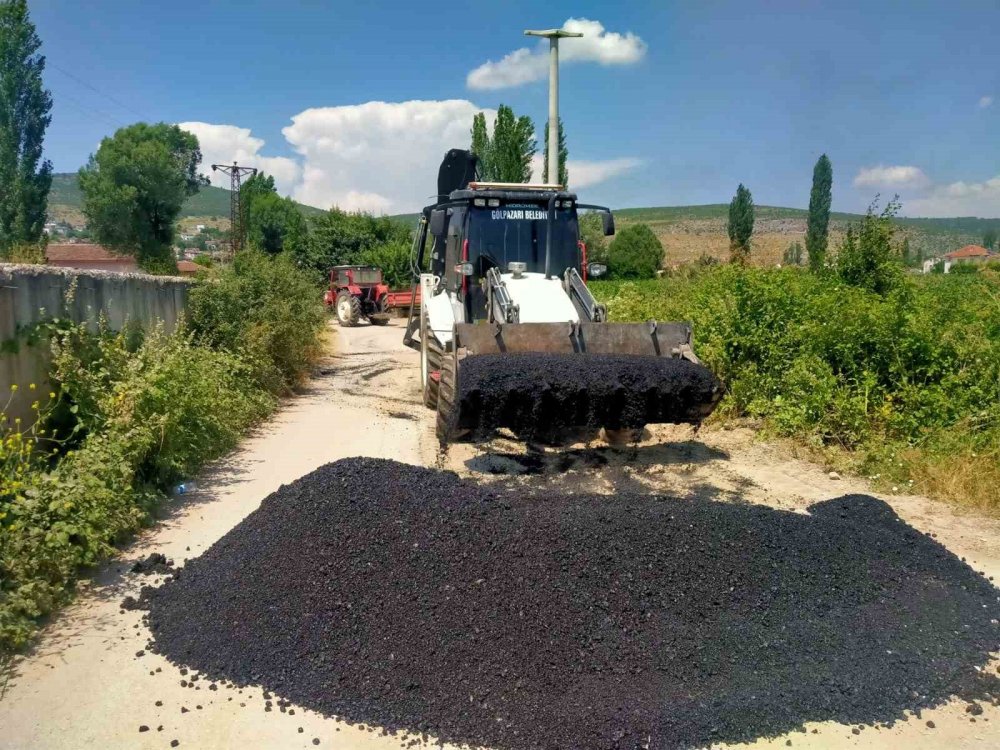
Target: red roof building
x=188, y=268
x=969, y=253
x=89, y=258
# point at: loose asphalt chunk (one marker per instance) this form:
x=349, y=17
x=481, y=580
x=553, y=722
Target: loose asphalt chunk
x=156, y=562
x=408, y=599
x=537, y=394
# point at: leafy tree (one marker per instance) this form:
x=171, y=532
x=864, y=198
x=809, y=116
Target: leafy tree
x=905, y=253
x=867, y=257
x=25, y=178
x=506, y=157
x=793, y=254
x=592, y=235
x=563, y=154
x=273, y=224
x=740, y=225
x=341, y=237
x=635, y=253
x=481, y=145
x=820, y=198
x=394, y=260
x=990, y=239
x=260, y=184
x=134, y=187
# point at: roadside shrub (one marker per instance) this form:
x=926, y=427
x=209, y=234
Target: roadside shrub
x=138, y=412
x=635, y=253
x=867, y=257
x=966, y=268
x=267, y=311
x=902, y=377
x=147, y=416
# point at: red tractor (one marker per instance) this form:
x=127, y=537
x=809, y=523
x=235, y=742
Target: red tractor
x=358, y=292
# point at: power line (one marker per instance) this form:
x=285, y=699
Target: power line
x=98, y=91
x=89, y=110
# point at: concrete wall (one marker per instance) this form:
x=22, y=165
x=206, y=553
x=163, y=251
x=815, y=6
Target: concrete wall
x=31, y=294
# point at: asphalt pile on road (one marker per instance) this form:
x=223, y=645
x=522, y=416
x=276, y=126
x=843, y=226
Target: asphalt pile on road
x=409, y=599
x=538, y=394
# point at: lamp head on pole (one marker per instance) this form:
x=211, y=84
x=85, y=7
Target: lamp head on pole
x=551, y=33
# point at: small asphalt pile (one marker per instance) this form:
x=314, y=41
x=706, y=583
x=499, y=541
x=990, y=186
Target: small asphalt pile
x=409, y=599
x=536, y=394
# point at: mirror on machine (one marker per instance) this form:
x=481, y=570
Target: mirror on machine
x=609, y=223
x=596, y=270
x=439, y=220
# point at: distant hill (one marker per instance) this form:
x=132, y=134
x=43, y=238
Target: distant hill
x=66, y=202
x=688, y=232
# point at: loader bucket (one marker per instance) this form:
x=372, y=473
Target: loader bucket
x=544, y=380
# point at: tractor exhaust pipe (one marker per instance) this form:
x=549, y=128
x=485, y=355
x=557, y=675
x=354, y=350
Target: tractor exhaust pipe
x=550, y=220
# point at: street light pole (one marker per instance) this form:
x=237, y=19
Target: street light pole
x=553, y=35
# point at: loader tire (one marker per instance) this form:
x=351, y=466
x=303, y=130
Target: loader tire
x=446, y=399
x=434, y=354
x=348, y=309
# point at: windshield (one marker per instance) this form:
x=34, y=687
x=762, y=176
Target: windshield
x=517, y=232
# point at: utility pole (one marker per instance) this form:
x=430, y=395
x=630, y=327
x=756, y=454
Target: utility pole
x=235, y=173
x=553, y=35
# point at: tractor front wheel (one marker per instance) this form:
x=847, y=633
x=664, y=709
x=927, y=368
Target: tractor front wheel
x=348, y=309
x=431, y=355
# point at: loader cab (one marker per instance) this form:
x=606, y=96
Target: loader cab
x=482, y=229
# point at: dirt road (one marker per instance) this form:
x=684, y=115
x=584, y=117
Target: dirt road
x=90, y=683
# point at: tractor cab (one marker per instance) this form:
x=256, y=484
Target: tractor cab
x=344, y=276
x=508, y=232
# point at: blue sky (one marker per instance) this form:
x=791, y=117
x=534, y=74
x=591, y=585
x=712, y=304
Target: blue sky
x=669, y=103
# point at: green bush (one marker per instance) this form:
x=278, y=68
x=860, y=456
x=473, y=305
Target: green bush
x=137, y=412
x=967, y=268
x=266, y=310
x=635, y=253
x=913, y=370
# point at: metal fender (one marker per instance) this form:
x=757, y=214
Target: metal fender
x=438, y=308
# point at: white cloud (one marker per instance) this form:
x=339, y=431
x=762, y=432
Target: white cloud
x=378, y=156
x=525, y=65
x=381, y=157
x=224, y=144
x=959, y=199
x=985, y=101
x=586, y=173
x=891, y=177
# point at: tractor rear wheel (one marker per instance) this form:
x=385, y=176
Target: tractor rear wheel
x=348, y=309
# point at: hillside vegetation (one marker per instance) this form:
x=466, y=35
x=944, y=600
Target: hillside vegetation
x=66, y=201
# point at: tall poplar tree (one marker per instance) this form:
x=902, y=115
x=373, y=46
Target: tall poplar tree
x=563, y=155
x=25, y=178
x=740, y=226
x=506, y=157
x=481, y=145
x=817, y=229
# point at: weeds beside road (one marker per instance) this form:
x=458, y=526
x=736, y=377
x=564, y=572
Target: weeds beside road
x=903, y=386
x=132, y=414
